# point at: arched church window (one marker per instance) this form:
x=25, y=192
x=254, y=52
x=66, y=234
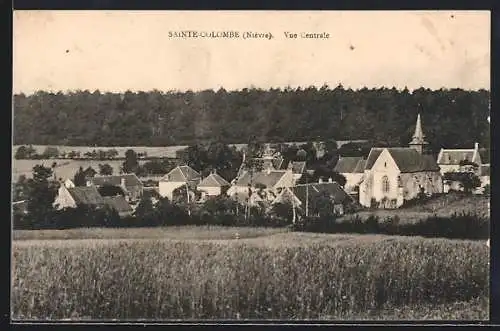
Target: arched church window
x=385, y=184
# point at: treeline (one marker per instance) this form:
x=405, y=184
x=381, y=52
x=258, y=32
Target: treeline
x=450, y=117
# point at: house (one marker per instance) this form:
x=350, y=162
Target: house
x=179, y=176
x=298, y=195
x=130, y=184
x=298, y=168
x=72, y=197
x=352, y=168
x=393, y=175
x=120, y=204
x=69, y=196
x=267, y=184
x=213, y=185
x=452, y=160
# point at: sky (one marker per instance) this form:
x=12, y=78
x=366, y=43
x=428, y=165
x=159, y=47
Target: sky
x=131, y=50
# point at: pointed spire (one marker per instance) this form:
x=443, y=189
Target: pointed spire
x=419, y=134
x=418, y=140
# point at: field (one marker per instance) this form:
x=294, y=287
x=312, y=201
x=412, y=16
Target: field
x=205, y=272
x=442, y=206
x=65, y=168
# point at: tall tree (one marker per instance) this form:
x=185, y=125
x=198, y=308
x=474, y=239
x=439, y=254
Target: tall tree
x=131, y=164
x=42, y=193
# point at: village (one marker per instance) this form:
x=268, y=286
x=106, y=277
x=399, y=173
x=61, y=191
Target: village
x=387, y=178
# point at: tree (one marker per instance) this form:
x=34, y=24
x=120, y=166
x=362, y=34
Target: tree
x=25, y=152
x=468, y=180
x=89, y=173
x=42, y=194
x=50, y=152
x=105, y=169
x=79, y=178
x=322, y=205
x=145, y=212
x=109, y=190
x=131, y=164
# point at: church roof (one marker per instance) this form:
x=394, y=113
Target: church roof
x=350, y=164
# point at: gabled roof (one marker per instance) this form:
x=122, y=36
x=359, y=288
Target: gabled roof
x=118, y=203
x=350, y=164
x=317, y=189
x=213, y=180
x=455, y=156
x=267, y=178
x=182, y=173
x=86, y=195
x=297, y=167
x=407, y=159
x=360, y=167
x=372, y=157
x=131, y=180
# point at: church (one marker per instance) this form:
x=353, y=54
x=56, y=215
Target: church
x=393, y=175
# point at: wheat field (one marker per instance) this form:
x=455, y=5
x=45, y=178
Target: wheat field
x=276, y=276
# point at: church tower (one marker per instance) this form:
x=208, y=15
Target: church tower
x=418, y=140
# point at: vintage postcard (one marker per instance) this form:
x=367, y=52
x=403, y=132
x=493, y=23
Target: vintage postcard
x=250, y=166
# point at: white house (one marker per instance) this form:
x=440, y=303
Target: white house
x=72, y=197
x=267, y=184
x=213, y=185
x=352, y=168
x=395, y=174
x=179, y=176
x=449, y=159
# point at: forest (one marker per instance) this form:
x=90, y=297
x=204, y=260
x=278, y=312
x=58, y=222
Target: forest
x=384, y=116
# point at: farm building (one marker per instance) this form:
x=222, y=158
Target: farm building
x=119, y=204
x=299, y=194
x=298, y=168
x=213, y=185
x=452, y=160
x=71, y=197
x=352, y=168
x=129, y=183
x=266, y=184
x=179, y=176
x=395, y=174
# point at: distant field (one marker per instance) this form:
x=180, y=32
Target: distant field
x=202, y=273
x=65, y=168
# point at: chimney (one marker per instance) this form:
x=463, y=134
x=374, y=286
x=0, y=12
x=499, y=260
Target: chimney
x=320, y=180
x=122, y=182
x=330, y=180
x=476, y=146
x=269, y=170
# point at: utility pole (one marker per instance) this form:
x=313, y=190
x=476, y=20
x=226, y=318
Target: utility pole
x=307, y=198
x=187, y=194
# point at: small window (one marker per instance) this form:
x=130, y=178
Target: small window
x=385, y=164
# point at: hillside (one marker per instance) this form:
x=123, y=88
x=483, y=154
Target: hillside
x=450, y=117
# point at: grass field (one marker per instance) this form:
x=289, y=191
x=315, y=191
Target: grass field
x=204, y=272
x=442, y=206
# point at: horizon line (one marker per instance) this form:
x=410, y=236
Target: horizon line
x=251, y=87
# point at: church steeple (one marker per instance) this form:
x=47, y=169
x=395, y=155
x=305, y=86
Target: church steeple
x=418, y=140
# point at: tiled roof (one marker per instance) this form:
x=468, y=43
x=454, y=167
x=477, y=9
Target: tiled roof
x=131, y=180
x=372, y=157
x=297, y=167
x=348, y=164
x=118, y=203
x=86, y=195
x=316, y=189
x=181, y=174
x=409, y=160
x=454, y=156
x=213, y=180
x=269, y=179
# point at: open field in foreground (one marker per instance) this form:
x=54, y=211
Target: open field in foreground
x=266, y=275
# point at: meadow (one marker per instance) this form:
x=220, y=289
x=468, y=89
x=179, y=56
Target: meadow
x=207, y=273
